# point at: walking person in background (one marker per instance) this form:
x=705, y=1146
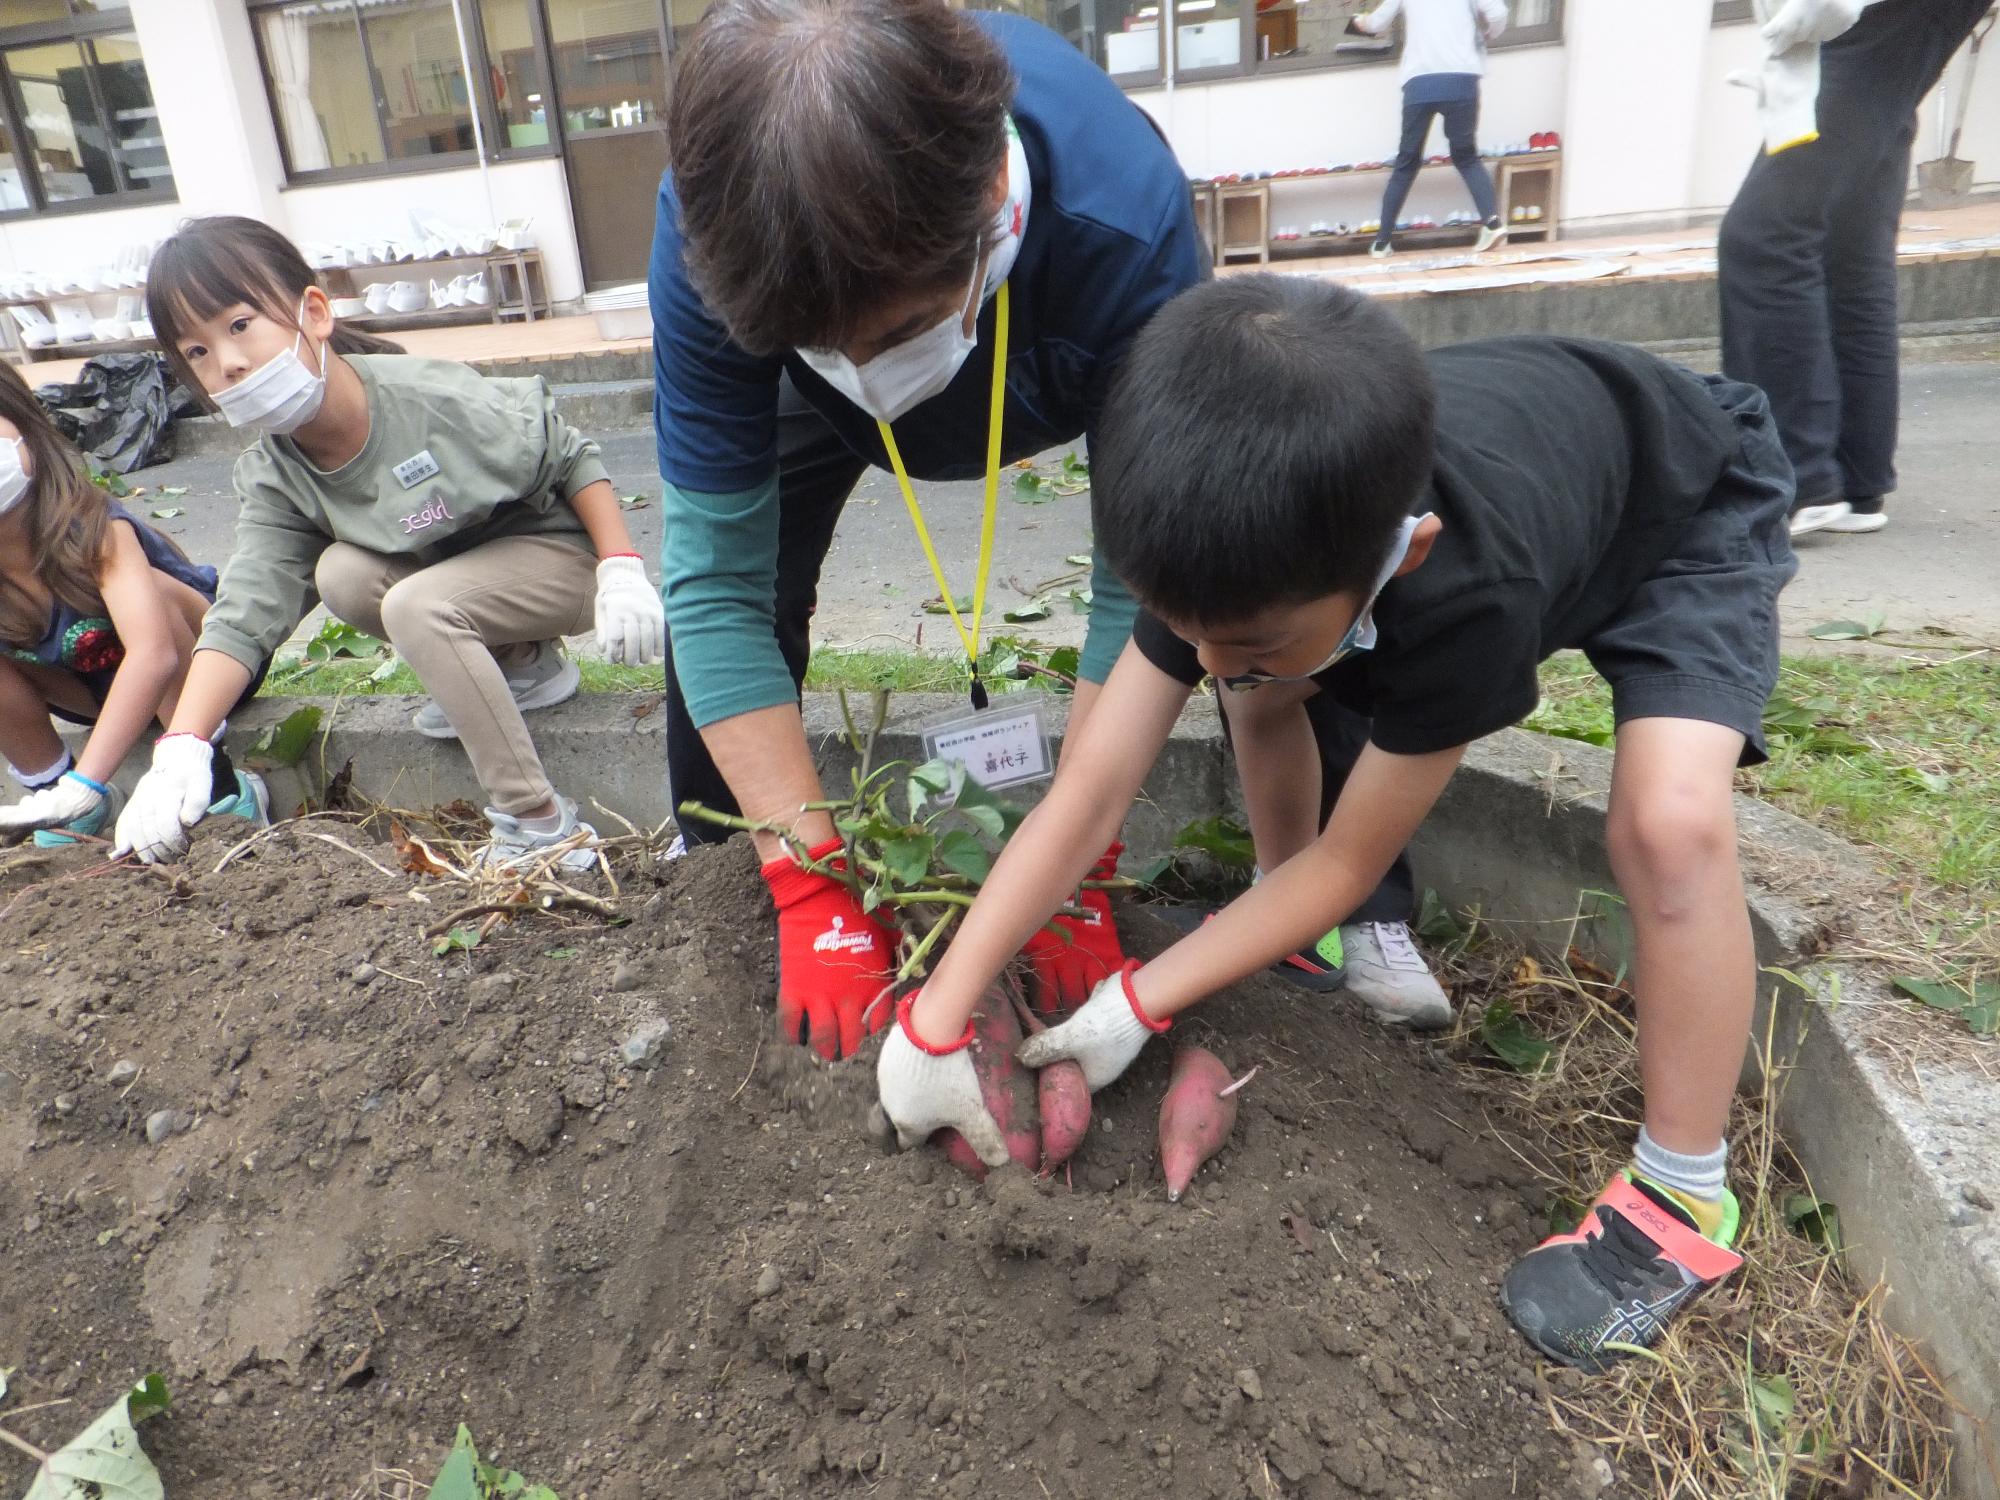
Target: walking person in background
x=1807, y=252
x=1444, y=57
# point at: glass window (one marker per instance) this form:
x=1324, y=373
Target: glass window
x=1126, y=34
x=100, y=7
x=13, y=190
x=31, y=12
x=419, y=77
x=65, y=141
x=138, y=150
x=1305, y=28
x=320, y=91
x=608, y=63
x=520, y=92
x=1207, y=34
x=682, y=14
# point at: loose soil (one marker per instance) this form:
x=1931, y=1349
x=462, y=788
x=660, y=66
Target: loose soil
x=417, y=1191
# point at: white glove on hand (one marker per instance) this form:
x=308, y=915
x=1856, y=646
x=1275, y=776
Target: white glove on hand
x=61, y=802
x=168, y=801
x=1104, y=1035
x=1799, y=23
x=1787, y=90
x=631, y=624
x=923, y=1090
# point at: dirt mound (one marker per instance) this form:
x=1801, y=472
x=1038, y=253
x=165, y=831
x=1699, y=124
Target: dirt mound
x=344, y=1195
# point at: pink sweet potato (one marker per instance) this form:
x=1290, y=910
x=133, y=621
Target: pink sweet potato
x=1195, y=1117
x=1008, y=1088
x=1064, y=1098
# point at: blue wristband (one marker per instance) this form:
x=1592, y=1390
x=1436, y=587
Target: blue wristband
x=98, y=787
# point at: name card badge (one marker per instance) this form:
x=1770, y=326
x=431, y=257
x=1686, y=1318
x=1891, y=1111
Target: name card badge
x=999, y=747
x=414, y=470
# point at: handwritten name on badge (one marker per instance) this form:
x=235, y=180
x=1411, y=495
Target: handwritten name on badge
x=430, y=515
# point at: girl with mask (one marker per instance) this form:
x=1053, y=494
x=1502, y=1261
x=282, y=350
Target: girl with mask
x=455, y=515
x=98, y=617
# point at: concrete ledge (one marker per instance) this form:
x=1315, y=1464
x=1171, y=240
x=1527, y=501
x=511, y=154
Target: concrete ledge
x=1519, y=834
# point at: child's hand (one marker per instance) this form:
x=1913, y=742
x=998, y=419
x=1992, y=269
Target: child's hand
x=168, y=801
x=54, y=806
x=924, y=1089
x=631, y=623
x=1104, y=1036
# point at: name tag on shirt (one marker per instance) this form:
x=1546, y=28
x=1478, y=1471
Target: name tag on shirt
x=415, y=470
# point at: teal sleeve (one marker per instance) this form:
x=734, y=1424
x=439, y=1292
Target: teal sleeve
x=1112, y=611
x=718, y=580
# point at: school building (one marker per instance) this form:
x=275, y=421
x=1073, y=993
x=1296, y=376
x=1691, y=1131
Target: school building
x=337, y=120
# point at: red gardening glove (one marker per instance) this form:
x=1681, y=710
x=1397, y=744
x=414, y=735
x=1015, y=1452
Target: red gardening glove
x=834, y=960
x=1066, y=968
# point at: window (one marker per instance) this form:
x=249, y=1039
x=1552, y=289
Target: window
x=1532, y=22
x=609, y=61
x=77, y=123
x=521, y=100
x=1123, y=37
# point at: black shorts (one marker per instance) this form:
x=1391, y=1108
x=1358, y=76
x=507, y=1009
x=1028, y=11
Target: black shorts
x=1699, y=638
x=99, y=686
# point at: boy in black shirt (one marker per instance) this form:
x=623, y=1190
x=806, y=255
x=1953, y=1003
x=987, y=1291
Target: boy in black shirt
x=1304, y=503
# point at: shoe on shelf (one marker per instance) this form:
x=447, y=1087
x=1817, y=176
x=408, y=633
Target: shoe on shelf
x=1382, y=248
x=251, y=801
x=97, y=823
x=1491, y=233
x=514, y=843
x=1620, y=1277
x=544, y=680
x=1388, y=975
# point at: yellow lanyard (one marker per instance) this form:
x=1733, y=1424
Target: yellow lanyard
x=970, y=637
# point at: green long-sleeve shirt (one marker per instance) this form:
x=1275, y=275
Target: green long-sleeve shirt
x=453, y=459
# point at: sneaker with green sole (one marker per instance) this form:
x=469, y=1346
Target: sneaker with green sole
x=97, y=823
x=252, y=801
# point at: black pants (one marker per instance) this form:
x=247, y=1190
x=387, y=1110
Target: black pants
x=1461, y=134
x=1807, y=253
x=816, y=473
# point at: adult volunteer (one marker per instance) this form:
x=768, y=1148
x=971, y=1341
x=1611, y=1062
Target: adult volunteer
x=859, y=190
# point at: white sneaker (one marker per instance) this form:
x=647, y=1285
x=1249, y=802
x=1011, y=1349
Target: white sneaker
x=513, y=844
x=1810, y=518
x=1856, y=521
x=546, y=679
x=1387, y=973
x=1490, y=235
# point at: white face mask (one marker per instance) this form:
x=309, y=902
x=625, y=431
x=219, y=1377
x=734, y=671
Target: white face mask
x=915, y=370
x=13, y=478
x=1361, y=635
x=280, y=395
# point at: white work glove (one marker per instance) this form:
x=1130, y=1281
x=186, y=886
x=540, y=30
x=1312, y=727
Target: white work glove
x=1787, y=90
x=169, y=800
x=925, y=1089
x=1803, y=23
x=1103, y=1036
x=61, y=802
x=631, y=625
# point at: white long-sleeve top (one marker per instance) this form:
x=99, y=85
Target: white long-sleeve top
x=1440, y=36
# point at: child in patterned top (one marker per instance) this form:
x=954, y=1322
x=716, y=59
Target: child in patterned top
x=98, y=618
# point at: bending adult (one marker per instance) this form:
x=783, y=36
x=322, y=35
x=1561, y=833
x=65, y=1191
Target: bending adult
x=1807, y=252
x=853, y=182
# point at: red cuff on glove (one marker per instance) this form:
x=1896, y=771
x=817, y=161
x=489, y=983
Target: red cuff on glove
x=909, y=1032
x=1132, y=999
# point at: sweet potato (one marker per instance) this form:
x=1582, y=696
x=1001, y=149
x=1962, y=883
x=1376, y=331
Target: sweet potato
x=1195, y=1117
x=1008, y=1088
x=1064, y=1099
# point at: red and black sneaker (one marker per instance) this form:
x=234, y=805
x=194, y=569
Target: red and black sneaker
x=1620, y=1277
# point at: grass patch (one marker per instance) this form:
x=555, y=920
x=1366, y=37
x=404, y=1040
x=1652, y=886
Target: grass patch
x=344, y=678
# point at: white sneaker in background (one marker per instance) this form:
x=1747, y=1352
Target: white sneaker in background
x=1810, y=518
x=1387, y=973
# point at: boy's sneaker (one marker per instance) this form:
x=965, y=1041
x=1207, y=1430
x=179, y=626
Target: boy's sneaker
x=1387, y=974
x=1321, y=968
x=544, y=680
x=98, y=823
x=513, y=843
x=1619, y=1277
x=1491, y=233
x=251, y=801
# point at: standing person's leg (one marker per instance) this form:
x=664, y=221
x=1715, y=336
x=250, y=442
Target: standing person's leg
x=1409, y=158
x=1461, y=133
x=816, y=473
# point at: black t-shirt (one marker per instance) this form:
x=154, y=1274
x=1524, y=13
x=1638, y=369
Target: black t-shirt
x=1564, y=468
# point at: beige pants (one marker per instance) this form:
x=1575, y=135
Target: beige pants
x=454, y=623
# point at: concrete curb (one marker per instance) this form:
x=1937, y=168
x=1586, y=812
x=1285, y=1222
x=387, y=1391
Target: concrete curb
x=1519, y=835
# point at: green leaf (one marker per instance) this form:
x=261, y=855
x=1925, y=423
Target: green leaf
x=961, y=602
x=908, y=858
x=1031, y=488
x=105, y=1461
x=1510, y=1039
x=1066, y=660
x=1034, y=609
x=168, y=512
x=1934, y=993
x=285, y=743
x=1226, y=842
x=1564, y=1213
x=1075, y=468
x=1983, y=1017
x=635, y=502
x=1814, y=1220
x=172, y=491
x=337, y=638
x=1150, y=872
x=1078, y=559
x=989, y=819
x=1773, y=1399
x=459, y=1478
x=459, y=939
x=1841, y=630
x=559, y=953
x=975, y=801
x=1435, y=923
x=961, y=853
x=1935, y=782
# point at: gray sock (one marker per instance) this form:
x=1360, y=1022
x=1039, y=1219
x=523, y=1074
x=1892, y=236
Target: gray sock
x=1703, y=1176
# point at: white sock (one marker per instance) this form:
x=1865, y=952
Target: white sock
x=34, y=781
x=1702, y=1176
x=551, y=824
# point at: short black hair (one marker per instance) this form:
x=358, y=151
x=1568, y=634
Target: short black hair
x=830, y=155
x=1262, y=441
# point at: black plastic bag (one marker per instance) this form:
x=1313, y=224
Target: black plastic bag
x=120, y=410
